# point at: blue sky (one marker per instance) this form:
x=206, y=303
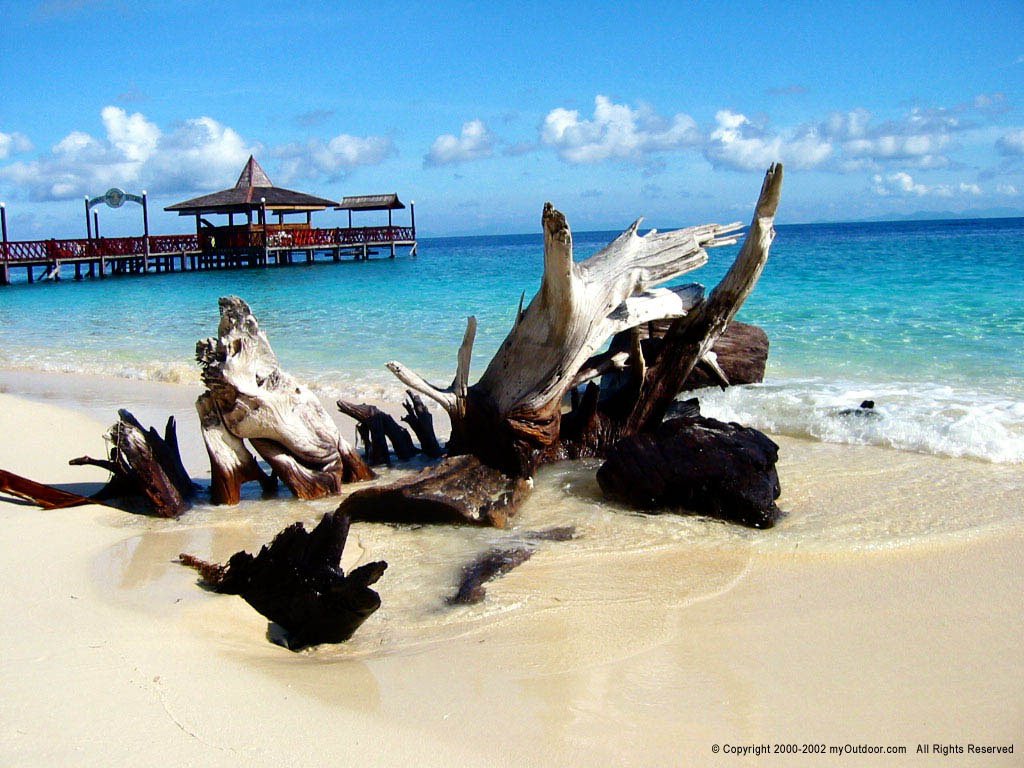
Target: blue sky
x=482, y=111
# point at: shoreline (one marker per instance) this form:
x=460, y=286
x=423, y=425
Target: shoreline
x=644, y=642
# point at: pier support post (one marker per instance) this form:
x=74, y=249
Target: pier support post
x=145, y=233
x=5, y=275
x=78, y=270
x=31, y=277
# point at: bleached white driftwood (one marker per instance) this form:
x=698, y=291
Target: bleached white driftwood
x=249, y=397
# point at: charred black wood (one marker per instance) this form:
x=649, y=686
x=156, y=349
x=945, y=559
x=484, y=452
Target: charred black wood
x=376, y=428
x=420, y=420
x=297, y=582
x=700, y=465
x=498, y=561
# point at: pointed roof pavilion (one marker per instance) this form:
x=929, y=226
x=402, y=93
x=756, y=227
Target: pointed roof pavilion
x=253, y=186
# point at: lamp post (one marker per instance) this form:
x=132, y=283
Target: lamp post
x=145, y=234
x=88, y=221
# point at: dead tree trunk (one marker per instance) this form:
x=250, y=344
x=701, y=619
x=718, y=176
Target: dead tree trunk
x=511, y=419
x=250, y=398
x=513, y=413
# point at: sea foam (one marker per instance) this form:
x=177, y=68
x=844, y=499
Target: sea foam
x=926, y=418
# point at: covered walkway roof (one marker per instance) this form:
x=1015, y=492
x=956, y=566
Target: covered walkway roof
x=370, y=203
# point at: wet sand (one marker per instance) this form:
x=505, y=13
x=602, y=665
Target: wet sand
x=885, y=610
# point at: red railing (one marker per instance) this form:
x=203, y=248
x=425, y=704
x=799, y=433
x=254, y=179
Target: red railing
x=278, y=237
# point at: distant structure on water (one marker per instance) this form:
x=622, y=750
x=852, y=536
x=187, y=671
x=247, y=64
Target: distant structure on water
x=249, y=238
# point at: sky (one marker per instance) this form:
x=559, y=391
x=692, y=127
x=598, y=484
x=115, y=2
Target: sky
x=480, y=111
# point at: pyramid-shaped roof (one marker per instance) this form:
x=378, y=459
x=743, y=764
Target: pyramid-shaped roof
x=251, y=189
x=253, y=175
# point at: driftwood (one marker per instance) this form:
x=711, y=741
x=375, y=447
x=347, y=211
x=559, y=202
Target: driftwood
x=296, y=581
x=250, y=398
x=420, y=420
x=146, y=474
x=496, y=562
x=459, y=489
x=45, y=496
x=376, y=428
x=512, y=420
x=739, y=356
x=699, y=465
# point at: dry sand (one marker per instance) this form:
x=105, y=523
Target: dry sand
x=886, y=610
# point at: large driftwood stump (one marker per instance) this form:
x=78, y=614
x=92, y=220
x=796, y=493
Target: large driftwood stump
x=512, y=418
x=297, y=582
x=249, y=397
x=699, y=465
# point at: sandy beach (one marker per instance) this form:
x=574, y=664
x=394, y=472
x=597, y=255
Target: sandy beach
x=884, y=611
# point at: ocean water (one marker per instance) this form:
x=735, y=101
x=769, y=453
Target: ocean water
x=924, y=318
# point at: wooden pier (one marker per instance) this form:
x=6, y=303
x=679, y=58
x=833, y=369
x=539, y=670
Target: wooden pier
x=254, y=242
x=278, y=246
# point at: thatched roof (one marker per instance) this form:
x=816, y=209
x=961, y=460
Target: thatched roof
x=370, y=203
x=253, y=185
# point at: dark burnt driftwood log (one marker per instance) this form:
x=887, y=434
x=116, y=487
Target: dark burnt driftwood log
x=697, y=464
x=297, y=582
x=459, y=489
x=420, y=420
x=496, y=562
x=249, y=397
x=377, y=428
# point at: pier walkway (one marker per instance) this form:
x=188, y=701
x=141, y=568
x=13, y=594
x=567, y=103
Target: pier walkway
x=279, y=245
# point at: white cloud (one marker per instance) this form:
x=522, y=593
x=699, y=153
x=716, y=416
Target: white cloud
x=133, y=135
x=333, y=159
x=616, y=132
x=199, y=154
x=902, y=184
x=919, y=139
x=12, y=143
x=1007, y=189
x=738, y=143
x=1012, y=143
x=474, y=142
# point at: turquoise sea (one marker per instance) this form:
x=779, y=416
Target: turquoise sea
x=924, y=318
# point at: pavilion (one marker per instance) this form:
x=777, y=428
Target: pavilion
x=253, y=196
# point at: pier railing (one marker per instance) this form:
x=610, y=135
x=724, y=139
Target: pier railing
x=39, y=251
x=53, y=250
